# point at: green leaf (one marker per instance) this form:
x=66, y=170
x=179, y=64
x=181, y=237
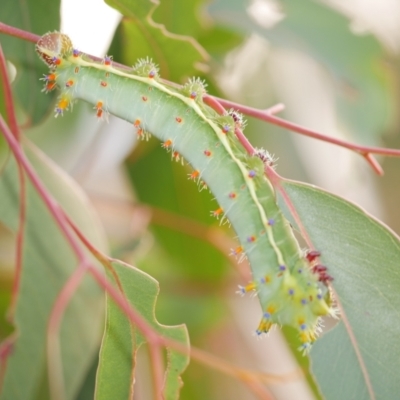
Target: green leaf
x=180, y=16
x=357, y=63
x=121, y=341
x=138, y=36
x=48, y=262
x=363, y=257
x=188, y=18
x=36, y=16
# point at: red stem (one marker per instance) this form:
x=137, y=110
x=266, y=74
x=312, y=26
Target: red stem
x=19, y=33
x=50, y=202
x=12, y=121
x=19, y=241
x=266, y=115
x=272, y=175
x=22, y=194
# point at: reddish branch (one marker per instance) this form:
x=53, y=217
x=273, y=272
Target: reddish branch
x=10, y=112
x=19, y=33
x=264, y=115
x=267, y=115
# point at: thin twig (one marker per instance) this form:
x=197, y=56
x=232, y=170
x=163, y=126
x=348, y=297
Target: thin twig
x=8, y=100
x=11, y=117
x=266, y=115
x=19, y=33
x=47, y=198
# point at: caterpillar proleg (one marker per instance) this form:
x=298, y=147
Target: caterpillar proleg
x=289, y=283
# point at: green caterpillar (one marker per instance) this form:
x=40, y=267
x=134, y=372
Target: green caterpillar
x=288, y=282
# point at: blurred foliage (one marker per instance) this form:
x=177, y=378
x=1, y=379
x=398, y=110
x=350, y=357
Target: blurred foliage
x=155, y=218
x=29, y=16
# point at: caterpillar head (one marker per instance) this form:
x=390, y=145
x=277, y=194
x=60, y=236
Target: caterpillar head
x=53, y=46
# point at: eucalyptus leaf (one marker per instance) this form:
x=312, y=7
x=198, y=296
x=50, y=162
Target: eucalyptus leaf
x=359, y=358
x=48, y=261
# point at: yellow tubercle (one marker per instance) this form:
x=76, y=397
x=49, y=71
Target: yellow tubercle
x=62, y=105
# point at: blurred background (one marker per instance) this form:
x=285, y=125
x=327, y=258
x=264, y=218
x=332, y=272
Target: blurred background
x=334, y=65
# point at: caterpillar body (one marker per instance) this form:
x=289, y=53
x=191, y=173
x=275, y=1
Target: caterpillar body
x=286, y=280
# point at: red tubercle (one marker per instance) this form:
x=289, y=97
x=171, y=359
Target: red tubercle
x=195, y=174
x=226, y=129
x=50, y=77
x=176, y=155
x=167, y=144
x=144, y=98
x=107, y=60
x=312, y=255
x=232, y=195
x=319, y=268
x=251, y=239
x=235, y=252
x=50, y=86
x=69, y=83
x=325, y=278
x=207, y=153
x=99, y=109
x=322, y=273
x=103, y=83
x=178, y=120
x=217, y=212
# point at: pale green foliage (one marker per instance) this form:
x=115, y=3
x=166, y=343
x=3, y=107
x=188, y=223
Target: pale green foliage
x=184, y=248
